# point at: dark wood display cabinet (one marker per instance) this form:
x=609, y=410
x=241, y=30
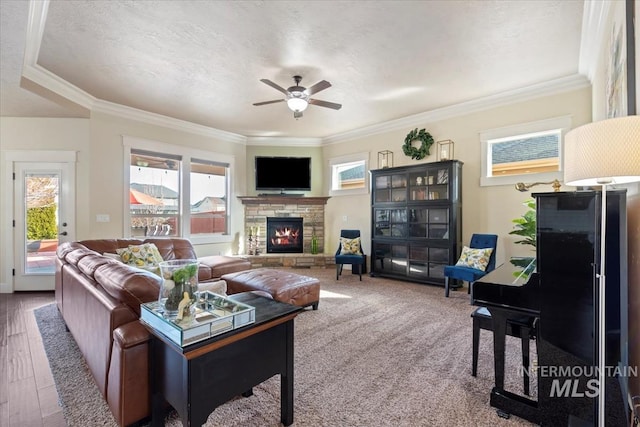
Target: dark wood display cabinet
x=416, y=221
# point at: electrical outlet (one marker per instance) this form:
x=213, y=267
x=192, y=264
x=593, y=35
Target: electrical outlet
x=344, y=218
x=103, y=218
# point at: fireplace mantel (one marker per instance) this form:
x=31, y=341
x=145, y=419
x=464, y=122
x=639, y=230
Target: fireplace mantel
x=282, y=200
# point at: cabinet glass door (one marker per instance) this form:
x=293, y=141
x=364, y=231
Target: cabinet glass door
x=439, y=223
x=398, y=222
x=382, y=223
x=382, y=188
x=419, y=261
x=438, y=259
x=418, y=222
x=390, y=258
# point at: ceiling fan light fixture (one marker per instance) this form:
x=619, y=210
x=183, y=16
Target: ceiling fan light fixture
x=297, y=104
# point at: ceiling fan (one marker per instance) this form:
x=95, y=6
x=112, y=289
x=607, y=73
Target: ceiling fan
x=298, y=97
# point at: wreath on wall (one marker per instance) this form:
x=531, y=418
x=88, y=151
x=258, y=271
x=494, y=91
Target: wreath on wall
x=426, y=141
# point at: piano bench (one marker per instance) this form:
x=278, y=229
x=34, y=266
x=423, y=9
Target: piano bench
x=523, y=327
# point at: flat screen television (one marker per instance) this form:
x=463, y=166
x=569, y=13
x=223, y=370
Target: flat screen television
x=283, y=173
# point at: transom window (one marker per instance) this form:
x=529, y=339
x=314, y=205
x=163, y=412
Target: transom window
x=349, y=175
x=524, y=152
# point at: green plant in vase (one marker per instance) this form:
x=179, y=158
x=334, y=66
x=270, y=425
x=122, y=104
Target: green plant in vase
x=179, y=287
x=314, y=236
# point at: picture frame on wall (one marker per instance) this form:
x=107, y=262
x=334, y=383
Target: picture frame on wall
x=621, y=68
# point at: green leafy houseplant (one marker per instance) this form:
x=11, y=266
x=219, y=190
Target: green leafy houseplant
x=525, y=226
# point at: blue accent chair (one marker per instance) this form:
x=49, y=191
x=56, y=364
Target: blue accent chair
x=358, y=259
x=468, y=274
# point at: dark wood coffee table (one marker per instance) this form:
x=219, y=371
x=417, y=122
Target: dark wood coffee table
x=200, y=377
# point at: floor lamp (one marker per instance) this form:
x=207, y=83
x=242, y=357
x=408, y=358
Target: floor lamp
x=603, y=153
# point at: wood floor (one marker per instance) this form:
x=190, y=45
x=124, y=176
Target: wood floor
x=28, y=396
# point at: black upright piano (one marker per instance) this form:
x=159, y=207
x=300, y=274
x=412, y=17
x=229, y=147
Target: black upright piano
x=561, y=290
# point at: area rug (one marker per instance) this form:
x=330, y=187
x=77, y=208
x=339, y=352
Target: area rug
x=377, y=352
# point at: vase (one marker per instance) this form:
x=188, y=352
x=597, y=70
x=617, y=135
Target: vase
x=178, y=293
x=314, y=244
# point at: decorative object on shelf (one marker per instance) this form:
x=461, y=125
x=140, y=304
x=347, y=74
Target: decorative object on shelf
x=385, y=159
x=426, y=142
x=419, y=180
x=521, y=186
x=179, y=288
x=603, y=153
x=445, y=150
x=253, y=241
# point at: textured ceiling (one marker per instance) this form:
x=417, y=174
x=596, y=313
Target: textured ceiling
x=202, y=61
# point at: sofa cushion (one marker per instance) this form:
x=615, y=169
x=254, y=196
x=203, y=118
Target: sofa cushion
x=109, y=245
x=173, y=248
x=215, y=266
x=128, y=284
x=74, y=256
x=90, y=263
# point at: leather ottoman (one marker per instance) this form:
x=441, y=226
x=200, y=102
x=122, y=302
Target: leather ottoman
x=282, y=285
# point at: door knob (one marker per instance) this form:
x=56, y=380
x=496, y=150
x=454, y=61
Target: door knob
x=64, y=233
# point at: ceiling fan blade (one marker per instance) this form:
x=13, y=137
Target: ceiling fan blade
x=325, y=104
x=275, y=86
x=269, y=102
x=321, y=85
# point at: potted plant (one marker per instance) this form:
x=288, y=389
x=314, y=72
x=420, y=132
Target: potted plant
x=525, y=227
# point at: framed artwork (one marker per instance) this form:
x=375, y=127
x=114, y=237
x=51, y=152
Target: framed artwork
x=621, y=69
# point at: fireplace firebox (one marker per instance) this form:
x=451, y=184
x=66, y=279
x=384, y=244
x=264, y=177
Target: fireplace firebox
x=284, y=235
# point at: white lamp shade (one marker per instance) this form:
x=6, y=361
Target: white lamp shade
x=604, y=152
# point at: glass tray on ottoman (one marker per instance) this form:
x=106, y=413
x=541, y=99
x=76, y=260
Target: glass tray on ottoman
x=214, y=315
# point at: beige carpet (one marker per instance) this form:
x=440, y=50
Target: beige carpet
x=377, y=352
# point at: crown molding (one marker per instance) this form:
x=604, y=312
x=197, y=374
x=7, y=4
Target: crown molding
x=39, y=75
x=552, y=87
x=594, y=19
x=113, y=109
x=595, y=14
x=272, y=141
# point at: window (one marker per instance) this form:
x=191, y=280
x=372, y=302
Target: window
x=209, y=197
x=349, y=175
x=154, y=194
x=531, y=152
x=177, y=191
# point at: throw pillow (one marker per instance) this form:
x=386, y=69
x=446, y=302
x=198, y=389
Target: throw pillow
x=349, y=246
x=144, y=256
x=475, y=258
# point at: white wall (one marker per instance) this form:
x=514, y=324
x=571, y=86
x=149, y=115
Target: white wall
x=484, y=209
x=31, y=134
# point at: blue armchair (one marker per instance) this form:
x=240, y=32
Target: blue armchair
x=352, y=254
x=469, y=274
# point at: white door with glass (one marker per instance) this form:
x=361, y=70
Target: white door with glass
x=43, y=218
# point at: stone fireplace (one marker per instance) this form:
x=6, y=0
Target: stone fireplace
x=309, y=210
x=284, y=235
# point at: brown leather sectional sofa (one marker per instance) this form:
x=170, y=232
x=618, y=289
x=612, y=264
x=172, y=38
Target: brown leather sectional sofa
x=99, y=298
